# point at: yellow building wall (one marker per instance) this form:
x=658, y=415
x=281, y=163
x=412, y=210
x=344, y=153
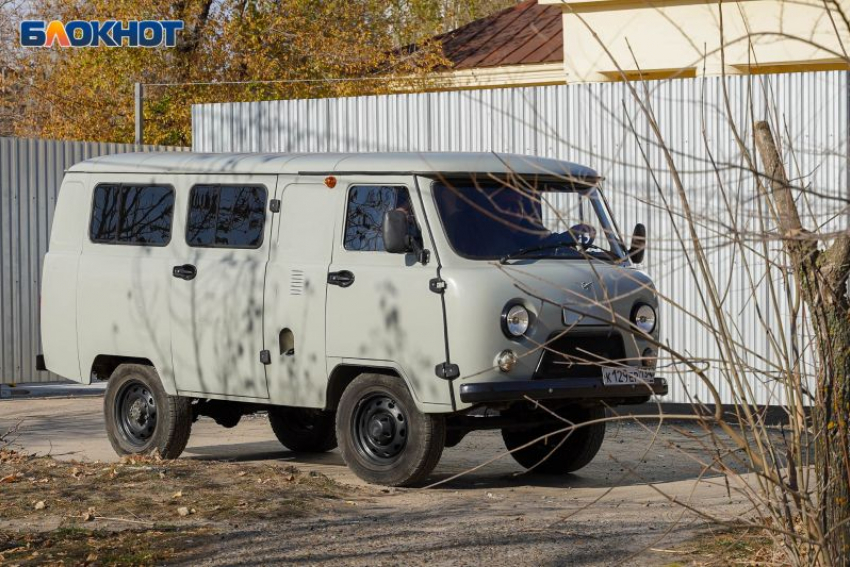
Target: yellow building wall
x=692, y=37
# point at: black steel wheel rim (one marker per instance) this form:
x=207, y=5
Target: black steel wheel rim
x=380, y=429
x=135, y=413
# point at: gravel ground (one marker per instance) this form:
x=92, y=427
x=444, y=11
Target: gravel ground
x=613, y=511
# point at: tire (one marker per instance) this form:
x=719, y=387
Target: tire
x=141, y=418
x=574, y=453
x=383, y=438
x=303, y=430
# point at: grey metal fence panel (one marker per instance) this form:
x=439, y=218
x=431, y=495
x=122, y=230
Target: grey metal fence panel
x=601, y=125
x=31, y=173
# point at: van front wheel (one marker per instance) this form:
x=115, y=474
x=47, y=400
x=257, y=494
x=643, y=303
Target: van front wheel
x=383, y=438
x=558, y=454
x=141, y=418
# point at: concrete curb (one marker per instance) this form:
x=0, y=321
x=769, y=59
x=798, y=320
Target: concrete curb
x=772, y=415
x=50, y=390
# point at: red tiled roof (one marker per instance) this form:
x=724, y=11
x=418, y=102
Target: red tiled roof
x=526, y=34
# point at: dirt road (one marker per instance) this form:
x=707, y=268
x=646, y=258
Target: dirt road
x=607, y=513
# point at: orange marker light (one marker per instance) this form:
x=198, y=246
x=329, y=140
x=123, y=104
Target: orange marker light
x=330, y=181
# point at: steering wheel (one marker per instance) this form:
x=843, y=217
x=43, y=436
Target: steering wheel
x=583, y=234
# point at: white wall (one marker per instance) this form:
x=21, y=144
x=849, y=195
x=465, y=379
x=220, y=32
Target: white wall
x=690, y=34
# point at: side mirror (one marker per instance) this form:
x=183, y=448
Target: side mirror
x=395, y=232
x=638, y=247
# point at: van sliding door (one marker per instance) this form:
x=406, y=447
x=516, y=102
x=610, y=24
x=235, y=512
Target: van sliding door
x=295, y=294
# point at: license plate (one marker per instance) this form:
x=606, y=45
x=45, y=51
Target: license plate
x=620, y=376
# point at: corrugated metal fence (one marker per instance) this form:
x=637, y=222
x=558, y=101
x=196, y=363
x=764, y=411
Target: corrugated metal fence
x=30, y=176
x=601, y=125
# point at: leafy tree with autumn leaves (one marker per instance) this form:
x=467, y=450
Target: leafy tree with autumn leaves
x=250, y=49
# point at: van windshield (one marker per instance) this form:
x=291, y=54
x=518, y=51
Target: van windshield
x=502, y=220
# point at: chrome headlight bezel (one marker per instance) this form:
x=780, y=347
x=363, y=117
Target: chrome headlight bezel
x=644, y=317
x=516, y=319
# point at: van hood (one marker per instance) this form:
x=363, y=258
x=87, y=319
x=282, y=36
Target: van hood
x=588, y=292
x=578, y=291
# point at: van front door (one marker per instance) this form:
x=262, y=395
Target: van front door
x=380, y=310
x=217, y=287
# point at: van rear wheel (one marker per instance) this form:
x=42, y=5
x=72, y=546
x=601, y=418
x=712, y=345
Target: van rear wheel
x=303, y=430
x=141, y=418
x=383, y=438
x=555, y=454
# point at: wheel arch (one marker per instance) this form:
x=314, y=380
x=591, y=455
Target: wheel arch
x=344, y=374
x=103, y=365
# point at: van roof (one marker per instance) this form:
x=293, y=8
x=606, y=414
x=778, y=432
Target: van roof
x=339, y=163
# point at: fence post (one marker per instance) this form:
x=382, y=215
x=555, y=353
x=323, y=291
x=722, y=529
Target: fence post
x=140, y=120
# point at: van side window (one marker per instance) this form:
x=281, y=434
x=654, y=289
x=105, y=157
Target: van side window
x=226, y=216
x=364, y=219
x=132, y=214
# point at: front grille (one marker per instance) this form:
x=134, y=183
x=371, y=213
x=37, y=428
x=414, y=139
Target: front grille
x=581, y=355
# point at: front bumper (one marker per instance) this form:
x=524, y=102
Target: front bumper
x=561, y=389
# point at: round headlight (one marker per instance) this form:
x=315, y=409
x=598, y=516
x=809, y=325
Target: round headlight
x=515, y=320
x=643, y=316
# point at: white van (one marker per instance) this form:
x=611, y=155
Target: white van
x=388, y=303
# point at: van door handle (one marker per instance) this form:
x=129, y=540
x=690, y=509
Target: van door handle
x=342, y=279
x=185, y=272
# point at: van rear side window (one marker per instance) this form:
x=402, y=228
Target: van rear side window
x=226, y=216
x=132, y=214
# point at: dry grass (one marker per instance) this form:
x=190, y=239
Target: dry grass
x=77, y=546
x=746, y=548
x=141, y=510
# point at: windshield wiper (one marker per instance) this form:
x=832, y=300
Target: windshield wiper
x=538, y=248
x=564, y=243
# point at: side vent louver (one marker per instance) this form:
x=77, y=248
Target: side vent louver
x=296, y=282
